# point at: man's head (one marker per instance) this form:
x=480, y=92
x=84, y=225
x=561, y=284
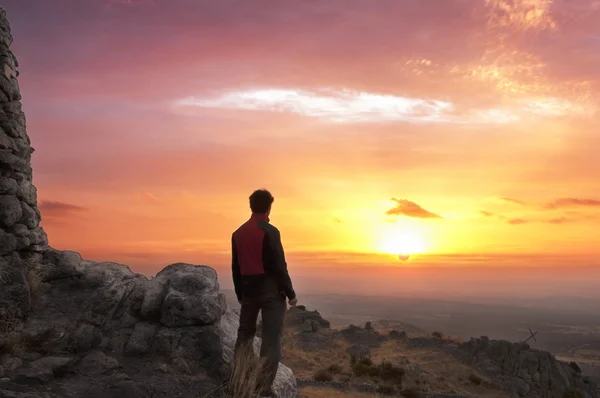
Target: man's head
x=261, y=201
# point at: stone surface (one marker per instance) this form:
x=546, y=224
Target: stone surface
x=522, y=371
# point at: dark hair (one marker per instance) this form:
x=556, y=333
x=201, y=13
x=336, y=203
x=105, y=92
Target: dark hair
x=260, y=201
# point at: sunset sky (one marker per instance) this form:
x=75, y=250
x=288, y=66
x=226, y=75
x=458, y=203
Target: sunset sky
x=464, y=130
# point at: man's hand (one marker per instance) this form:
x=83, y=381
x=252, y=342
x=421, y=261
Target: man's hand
x=293, y=302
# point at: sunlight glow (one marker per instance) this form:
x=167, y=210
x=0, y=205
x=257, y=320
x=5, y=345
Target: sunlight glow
x=403, y=244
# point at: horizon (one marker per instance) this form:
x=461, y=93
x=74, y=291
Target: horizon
x=459, y=133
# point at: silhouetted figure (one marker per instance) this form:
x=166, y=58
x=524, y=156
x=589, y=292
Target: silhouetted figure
x=262, y=283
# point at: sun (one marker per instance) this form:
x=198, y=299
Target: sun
x=403, y=244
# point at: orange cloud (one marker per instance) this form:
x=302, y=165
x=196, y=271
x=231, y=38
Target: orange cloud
x=407, y=208
x=572, y=202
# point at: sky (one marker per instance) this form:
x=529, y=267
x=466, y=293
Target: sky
x=462, y=132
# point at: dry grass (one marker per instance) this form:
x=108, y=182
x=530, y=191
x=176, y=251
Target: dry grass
x=246, y=375
x=445, y=373
x=306, y=363
x=449, y=374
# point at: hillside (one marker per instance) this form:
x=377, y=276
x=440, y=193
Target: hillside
x=357, y=360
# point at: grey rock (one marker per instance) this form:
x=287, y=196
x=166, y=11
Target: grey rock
x=10, y=210
x=142, y=338
x=29, y=216
x=85, y=337
x=186, y=310
x=309, y=321
x=8, y=243
x=97, y=363
x=43, y=370
x=27, y=192
x=11, y=363
x=520, y=370
x=8, y=186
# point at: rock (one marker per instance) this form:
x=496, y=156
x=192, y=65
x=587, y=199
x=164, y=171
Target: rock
x=97, y=363
x=520, y=370
x=1, y=372
x=356, y=335
x=142, y=338
x=121, y=386
x=182, y=366
x=43, y=370
x=11, y=363
x=8, y=186
x=185, y=310
x=29, y=217
x=10, y=210
x=8, y=243
x=307, y=321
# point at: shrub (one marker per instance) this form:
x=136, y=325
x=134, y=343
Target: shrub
x=438, y=335
x=385, y=371
x=475, y=379
x=391, y=373
x=335, y=369
x=323, y=375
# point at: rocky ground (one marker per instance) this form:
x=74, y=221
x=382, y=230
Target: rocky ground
x=422, y=365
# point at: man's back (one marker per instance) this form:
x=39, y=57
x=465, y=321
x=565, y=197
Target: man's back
x=259, y=265
x=262, y=282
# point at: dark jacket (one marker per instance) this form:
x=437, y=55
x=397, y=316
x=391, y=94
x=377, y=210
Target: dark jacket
x=258, y=261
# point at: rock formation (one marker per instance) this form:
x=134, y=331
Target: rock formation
x=307, y=321
x=21, y=238
x=525, y=372
x=71, y=327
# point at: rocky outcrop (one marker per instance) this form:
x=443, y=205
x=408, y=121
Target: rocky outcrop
x=21, y=237
x=306, y=321
x=177, y=322
x=76, y=328
x=525, y=372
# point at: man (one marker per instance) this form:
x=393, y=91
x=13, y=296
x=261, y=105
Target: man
x=262, y=283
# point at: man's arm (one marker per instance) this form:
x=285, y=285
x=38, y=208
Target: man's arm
x=235, y=271
x=280, y=265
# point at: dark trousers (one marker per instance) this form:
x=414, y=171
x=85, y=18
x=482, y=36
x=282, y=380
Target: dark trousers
x=272, y=308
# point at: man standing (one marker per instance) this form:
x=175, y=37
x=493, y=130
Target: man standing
x=262, y=283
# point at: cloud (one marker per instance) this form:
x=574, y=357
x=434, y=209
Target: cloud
x=352, y=106
x=50, y=207
x=512, y=200
x=486, y=213
x=517, y=221
x=343, y=106
x=407, y=208
x=559, y=220
x=572, y=202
